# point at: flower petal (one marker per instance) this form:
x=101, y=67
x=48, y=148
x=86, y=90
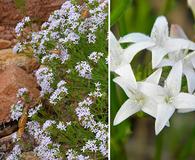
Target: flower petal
x=157, y=55
x=134, y=37
x=126, y=85
x=160, y=28
x=115, y=52
x=166, y=62
x=184, y=101
x=150, y=107
x=190, y=76
x=154, y=77
x=151, y=90
x=185, y=110
x=173, y=81
x=175, y=44
x=126, y=72
x=126, y=110
x=133, y=49
x=164, y=113
x=177, y=32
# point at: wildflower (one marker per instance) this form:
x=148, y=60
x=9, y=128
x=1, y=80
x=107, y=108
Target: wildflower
x=84, y=69
x=17, y=48
x=61, y=126
x=169, y=98
x=20, y=26
x=161, y=43
x=15, y=153
x=95, y=56
x=188, y=59
x=120, y=56
x=137, y=99
x=21, y=92
x=16, y=110
x=44, y=79
x=57, y=94
x=33, y=111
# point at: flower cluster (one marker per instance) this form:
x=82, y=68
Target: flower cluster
x=95, y=56
x=20, y=26
x=15, y=153
x=84, y=69
x=44, y=78
x=58, y=94
x=44, y=141
x=87, y=119
x=16, y=110
x=159, y=101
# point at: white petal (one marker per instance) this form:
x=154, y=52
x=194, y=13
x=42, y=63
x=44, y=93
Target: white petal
x=126, y=72
x=190, y=76
x=185, y=110
x=164, y=113
x=157, y=55
x=160, y=28
x=184, y=101
x=133, y=49
x=150, y=107
x=173, y=81
x=115, y=52
x=134, y=37
x=175, y=44
x=126, y=110
x=151, y=90
x=177, y=32
x=166, y=62
x=125, y=85
x=154, y=77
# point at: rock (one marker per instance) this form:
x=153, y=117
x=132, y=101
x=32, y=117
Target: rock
x=4, y=44
x=12, y=79
x=29, y=156
x=7, y=57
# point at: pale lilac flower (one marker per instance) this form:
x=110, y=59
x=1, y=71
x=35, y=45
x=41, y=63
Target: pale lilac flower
x=16, y=110
x=84, y=69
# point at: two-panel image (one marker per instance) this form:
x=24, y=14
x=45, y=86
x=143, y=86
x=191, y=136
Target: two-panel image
x=97, y=80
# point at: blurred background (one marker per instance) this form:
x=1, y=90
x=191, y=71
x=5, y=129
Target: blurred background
x=134, y=138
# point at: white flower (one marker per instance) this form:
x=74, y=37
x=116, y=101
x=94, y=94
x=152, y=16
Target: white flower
x=137, y=99
x=188, y=59
x=160, y=42
x=95, y=56
x=120, y=56
x=61, y=126
x=169, y=97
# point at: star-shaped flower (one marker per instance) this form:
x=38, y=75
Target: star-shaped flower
x=119, y=56
x=169, y=98
x=137, y=99
x=160, y=40
x=188, y=59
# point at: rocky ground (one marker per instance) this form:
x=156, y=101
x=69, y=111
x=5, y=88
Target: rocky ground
x=16, y=71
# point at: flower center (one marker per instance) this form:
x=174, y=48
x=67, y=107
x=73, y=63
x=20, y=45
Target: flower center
x=169, y=99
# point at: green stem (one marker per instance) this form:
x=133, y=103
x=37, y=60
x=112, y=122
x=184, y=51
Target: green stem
x=159, y=146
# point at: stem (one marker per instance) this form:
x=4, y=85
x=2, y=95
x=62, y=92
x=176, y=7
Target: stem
x=159, y=146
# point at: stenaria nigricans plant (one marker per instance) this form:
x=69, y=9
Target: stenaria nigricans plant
x=70, y=118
